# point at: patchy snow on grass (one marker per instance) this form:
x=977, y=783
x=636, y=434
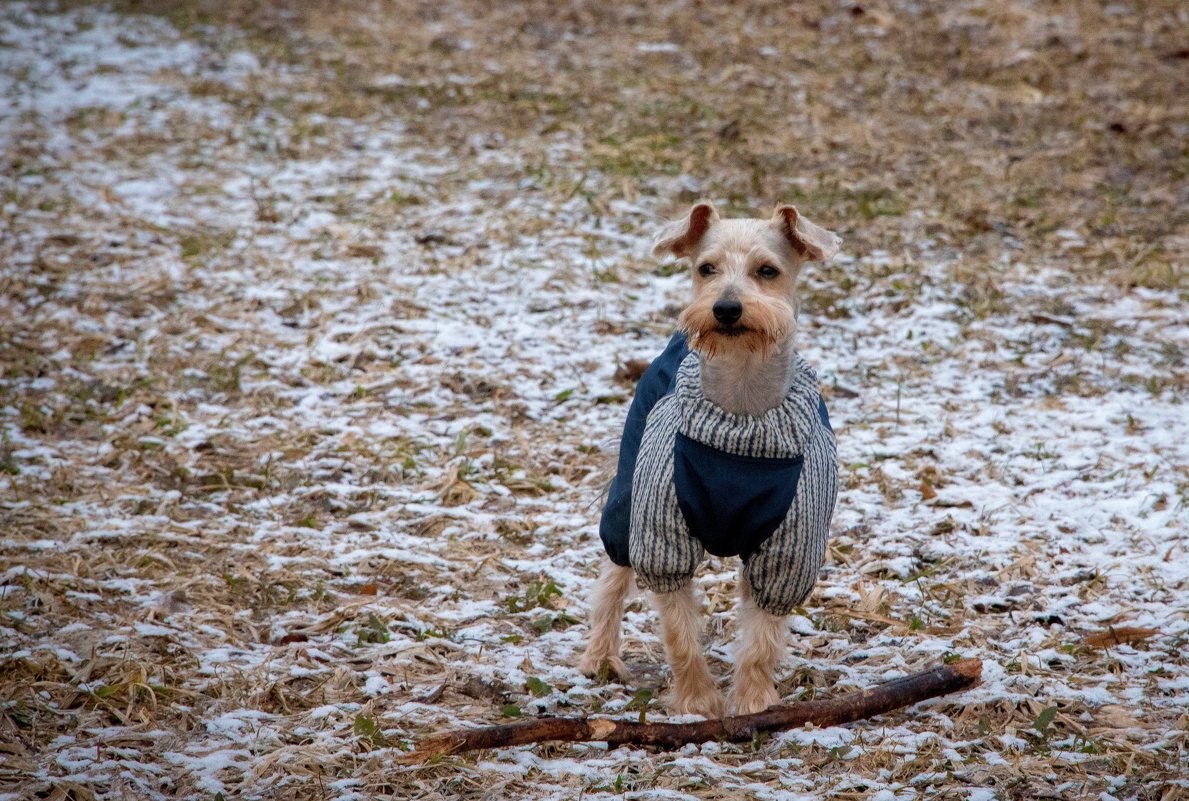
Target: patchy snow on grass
x=303, y=448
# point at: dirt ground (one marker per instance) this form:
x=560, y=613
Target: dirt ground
x=312, y=327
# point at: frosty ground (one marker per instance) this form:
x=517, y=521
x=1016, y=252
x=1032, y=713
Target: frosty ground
x=312, y=333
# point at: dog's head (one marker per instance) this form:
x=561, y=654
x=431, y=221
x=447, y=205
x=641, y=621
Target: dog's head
x=745, y=275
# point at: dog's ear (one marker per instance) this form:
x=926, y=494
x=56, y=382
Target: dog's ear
x=812, y=242
x=680, y=237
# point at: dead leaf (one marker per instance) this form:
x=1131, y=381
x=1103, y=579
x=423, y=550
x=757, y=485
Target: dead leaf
x=291, y=638
x=1118, y=635
x=1114, y=716
x=630, y=371
x=479, y=689
x=951, y=503
x=363, y=251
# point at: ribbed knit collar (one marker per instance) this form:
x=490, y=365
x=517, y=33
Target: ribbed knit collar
x=780, y=432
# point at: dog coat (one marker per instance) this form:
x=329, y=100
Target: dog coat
x=693, y=478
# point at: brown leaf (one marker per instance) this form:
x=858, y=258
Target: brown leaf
x=630, y=371
x=951, y=503
x=369, y=589
x=927, y=491
x=1118, y=635
x=363, y=251
x=291, y=638
x=1113, y=716
x=479, y=689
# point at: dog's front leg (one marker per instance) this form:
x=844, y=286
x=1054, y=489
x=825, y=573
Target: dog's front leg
x=694, y=690
x=762, y=637
x=601, y=657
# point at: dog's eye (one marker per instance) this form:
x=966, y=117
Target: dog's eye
x=706, y=269
x=768, y=271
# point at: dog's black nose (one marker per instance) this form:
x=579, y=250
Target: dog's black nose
x=728, y=312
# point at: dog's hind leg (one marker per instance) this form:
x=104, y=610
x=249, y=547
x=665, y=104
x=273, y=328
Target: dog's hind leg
x=694, y=689
x=601, y=657
x=762, y=637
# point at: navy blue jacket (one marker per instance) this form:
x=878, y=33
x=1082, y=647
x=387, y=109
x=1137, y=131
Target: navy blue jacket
x=732, y=503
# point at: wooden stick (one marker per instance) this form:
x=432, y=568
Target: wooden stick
x=883, y=698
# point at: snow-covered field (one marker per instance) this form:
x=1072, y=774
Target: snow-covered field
x=305, y=420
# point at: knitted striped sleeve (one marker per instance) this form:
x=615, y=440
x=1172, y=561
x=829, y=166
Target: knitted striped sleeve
x=657, y=381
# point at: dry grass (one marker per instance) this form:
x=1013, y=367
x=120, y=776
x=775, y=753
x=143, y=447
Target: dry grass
x=245, y=471
x=992, y=124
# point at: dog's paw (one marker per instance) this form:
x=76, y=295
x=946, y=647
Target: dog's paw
x=604, y=667
x=708, y=703
x=747, y=700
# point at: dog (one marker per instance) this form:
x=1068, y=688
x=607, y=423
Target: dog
x=728, y=449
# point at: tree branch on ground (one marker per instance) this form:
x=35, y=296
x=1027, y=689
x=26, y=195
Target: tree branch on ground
x=877, y=700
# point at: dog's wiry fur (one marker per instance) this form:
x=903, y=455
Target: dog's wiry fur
x=602, y=652
x=745, y=269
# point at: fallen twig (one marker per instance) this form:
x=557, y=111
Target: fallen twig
x=894, y=694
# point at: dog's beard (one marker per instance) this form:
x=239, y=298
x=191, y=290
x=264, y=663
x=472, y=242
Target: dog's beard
x=764, y=325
